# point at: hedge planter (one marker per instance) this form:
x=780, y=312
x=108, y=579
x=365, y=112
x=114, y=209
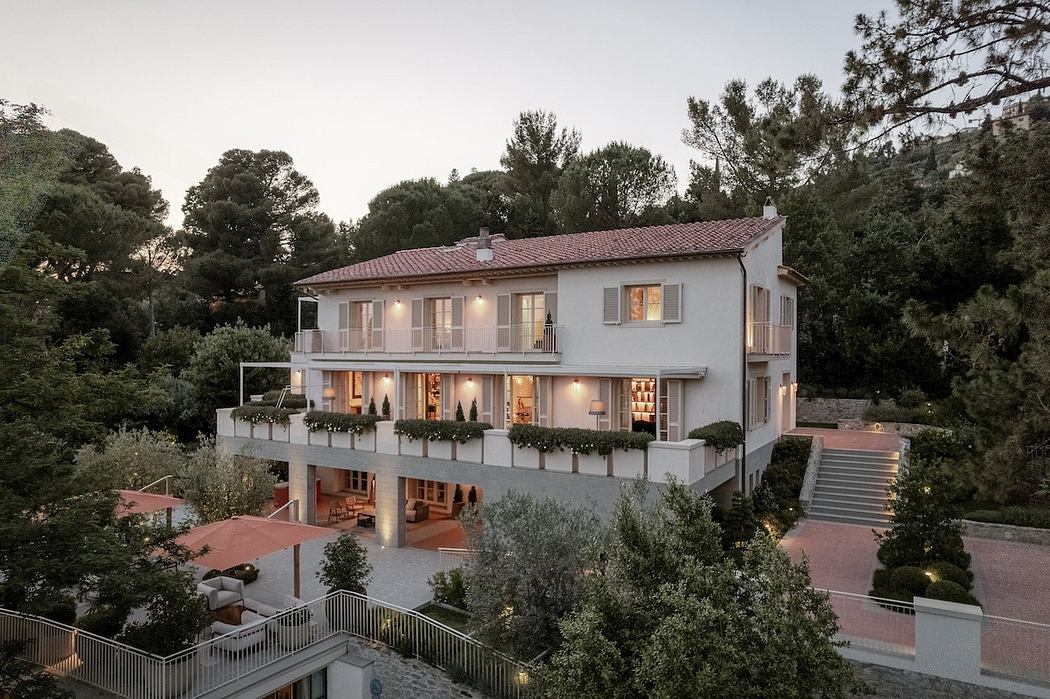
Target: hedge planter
x=629, y=464
x=293, y=630
x=365, y=442
x=594, y=464
x=527, y=457
x=440, y=449
x=340, y=440
x=413, y=447
x=497, y=449
x=558, y=460
x=386, y=440
x=280, y=433
x=471, y=452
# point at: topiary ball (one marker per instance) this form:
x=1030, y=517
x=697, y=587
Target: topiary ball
x=948, y=591
x=943, y=570
x=909, y=578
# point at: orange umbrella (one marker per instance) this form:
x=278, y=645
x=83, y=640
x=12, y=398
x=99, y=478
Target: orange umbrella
x=245, y=538
x=135, y=502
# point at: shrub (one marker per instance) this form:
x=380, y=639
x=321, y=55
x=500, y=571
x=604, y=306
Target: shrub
x=324, y=421
x=473, y=417
x=911, y=398
x=776, y=498
x=460, y=417
x=107, y=622
x=723, y=435
x=990, y=516
x=245, y=572
x=449, y=588
x=371, y=406
x=880, y=580
x=1021, y=516
x=386, y=407
x=295, y=401
x=441, y=430
x=909, y=578
x=937, y=446
x=895, y=413
x=345, y=564
x=949, y=591
x=61, y=608
x=578, y=440
x=943, y=570
x=256, y=413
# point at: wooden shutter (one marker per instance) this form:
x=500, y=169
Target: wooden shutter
x=485, y=406
x=448, y=405
x=344, y=325
x=458, y=303
x=672, y=302
x=543, y=401
x=366, y=392
x=409, y=392
x=765, y=400
x=674, y=410
x=503, y=333
x=377, y=325
x=605, y=394
x=750, y=412
x=611, y=305
x=417, y=325
x=499, y=402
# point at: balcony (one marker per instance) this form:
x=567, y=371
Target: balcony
x=765, y=340
x=505, y=339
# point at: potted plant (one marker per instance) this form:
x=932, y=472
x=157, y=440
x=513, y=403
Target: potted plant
x=473, y=410
x=345, y=566
x=386, y=407
x=371, y=406
x=175, y=617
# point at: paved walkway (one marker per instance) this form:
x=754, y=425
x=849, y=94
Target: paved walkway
x=841, y=556
x=852, y=439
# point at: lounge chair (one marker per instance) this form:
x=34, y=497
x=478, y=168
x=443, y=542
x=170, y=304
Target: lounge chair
x=221, y=591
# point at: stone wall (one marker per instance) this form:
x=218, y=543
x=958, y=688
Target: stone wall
x=410, y=679
x=831, y=410
x=1005, y=532
x=904, y=429
x=891, y=683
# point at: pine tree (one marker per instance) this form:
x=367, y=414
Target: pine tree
x=386, y=407
x=459, y=412
x=474, y=410
x=371, y=406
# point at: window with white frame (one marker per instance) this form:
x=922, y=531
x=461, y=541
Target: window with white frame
x=758, y=401
x=431, y=491
x=787, y=311
x=644, y=303
x=356, y=481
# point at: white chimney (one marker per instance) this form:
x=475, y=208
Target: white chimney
x=770, y=209
x=483, y=250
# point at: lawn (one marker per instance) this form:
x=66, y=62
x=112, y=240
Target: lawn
x=448, y=617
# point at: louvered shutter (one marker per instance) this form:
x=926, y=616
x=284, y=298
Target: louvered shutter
x=605, y=394
x=377, y=325
x=543, y=401
x=417, y=325
x=344, y=323
x=457, y=322
x=611, y=305
x=674, y=410
x=448, y=398
x=366, y=391
x=499, y=402
x=485, y=412
x=409, y=400
x=672, y=302
x=503, y=334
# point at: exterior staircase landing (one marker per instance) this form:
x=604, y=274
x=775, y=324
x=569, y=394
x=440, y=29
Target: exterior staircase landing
x=852, y=487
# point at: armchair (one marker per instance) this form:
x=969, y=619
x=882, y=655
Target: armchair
x=221, y=591
x=244, y=636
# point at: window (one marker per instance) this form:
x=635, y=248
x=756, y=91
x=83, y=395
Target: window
x=644, y=303
x=357, y=481
x=531, y=318
x=431, y=491
x=758, y=401
x=787, y=311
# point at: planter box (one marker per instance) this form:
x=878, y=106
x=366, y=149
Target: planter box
x=593, y=464
x=340, y=440
x=242, y=428
x=628, y=464
x=386, y=440
x=293, y=636
x=439, y=449
x=558, y=460
x=224, y=424
x=413, y=447
x=497, y=448
x=279, y=433
x=366, y=441
x=527, y=458
x=470, y=452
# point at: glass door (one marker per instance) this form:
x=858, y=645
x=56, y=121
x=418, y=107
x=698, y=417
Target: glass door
x=531, y=316
x=440, y=318
x=521, y=404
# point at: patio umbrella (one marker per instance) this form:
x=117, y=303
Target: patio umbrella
x=246, y=538
x=136, y=502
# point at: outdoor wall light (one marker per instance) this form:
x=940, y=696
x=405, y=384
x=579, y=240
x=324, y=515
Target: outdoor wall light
x=576, y=386
x=478, y=300
x=386, y=378
x=397, y=303
x=470, y=382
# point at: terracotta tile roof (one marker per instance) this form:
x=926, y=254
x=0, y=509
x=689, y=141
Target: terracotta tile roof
x=672, y=240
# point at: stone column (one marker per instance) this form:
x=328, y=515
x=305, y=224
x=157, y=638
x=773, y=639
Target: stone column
x=948, y=639
x=302, y=485
x=390, y=510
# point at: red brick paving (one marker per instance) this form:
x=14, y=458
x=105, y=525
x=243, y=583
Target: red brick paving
x=852, y=439
x=841, y=556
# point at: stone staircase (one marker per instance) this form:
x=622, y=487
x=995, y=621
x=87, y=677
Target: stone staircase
x=851, y=486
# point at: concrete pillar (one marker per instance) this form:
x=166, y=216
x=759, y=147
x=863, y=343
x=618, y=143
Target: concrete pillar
x=390, y=510
x=302, y=485
x=948, y=639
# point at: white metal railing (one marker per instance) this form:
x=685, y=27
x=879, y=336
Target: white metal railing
x=874, y=623
x=449, y=558
x=526, y=338
x=768, y=338
x=228, y=658
x=1016, y=649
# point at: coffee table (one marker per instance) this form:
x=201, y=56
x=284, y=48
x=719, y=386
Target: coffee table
x=365, y=520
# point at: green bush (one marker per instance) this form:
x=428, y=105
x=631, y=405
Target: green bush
x=776, y=498
x=296, y=401
x=722, y=435
x=449, y=588
x=245, y=572
x=107, y=622
x=989, y=516
x=909, y=578
x=441, y=430
x=256, y=413
x=943, y=570
x=895, y=413
x=949, y=591
x=880, y=580
x=323, y=421
x=578, y=440
x=911, y=398
x=937, y=446
x=61, y=608
x=1026, y=516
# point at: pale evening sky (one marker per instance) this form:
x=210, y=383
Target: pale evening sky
x=365, y=94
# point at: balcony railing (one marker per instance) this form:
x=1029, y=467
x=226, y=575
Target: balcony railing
x=768, y=338
x=537, y=339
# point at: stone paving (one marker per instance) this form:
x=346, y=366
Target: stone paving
x=852, y=439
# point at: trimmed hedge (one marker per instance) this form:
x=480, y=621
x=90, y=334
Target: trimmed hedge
x=324, y=421
x=256, y=413
x=943, y=570
x=723, y=435
x=441, y=430
x=1014, y=515
x=909, y=578
x=291, y=400
x=949, y=591
x=895, y=413
x=578, y=440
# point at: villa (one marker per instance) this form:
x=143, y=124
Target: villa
x=660, y=329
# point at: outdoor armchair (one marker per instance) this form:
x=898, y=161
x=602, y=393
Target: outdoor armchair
x=221, y=591
x=248, y=634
